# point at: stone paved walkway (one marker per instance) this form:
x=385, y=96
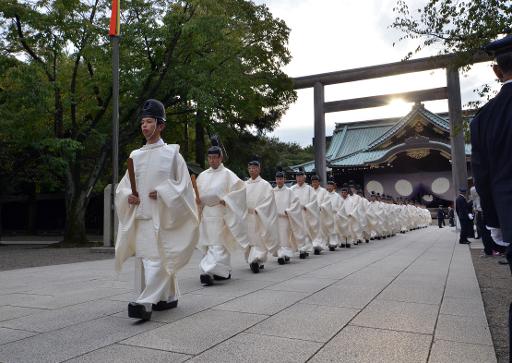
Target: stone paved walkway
x=411, y=298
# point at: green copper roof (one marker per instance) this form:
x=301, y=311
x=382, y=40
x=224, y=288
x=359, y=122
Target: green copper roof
x=417, y=109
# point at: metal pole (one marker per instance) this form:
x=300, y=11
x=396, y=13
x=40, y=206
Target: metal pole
x=320, y=133
x=115, y=132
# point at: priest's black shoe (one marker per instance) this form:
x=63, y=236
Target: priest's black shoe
x=221, y=278
x=348, y=245
x=332, y=248
x=138, y=311
x=165, y=305
x=255, y=267
x=286, y=259
x=303, y=255
x=206, y=279
x=281, y=261
x=342, y=245
x=317, y=251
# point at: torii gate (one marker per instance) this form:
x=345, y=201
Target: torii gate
x=450, y=62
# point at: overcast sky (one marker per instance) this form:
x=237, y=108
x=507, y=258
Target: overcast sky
x=332, y=35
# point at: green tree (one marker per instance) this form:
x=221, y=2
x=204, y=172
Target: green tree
x=216, y=64
x=462, y=27
x=456, y=26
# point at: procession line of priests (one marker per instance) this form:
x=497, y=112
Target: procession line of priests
x=162, y=218
x=280, y=221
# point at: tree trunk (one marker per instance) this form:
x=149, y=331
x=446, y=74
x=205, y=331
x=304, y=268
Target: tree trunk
x=200, y=147
x=76, y=205
x=186, y=141
x=74, y=231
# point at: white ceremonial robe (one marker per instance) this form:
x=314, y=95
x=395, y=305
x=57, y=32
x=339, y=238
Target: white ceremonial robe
x=356, y=220
x=363, y=212
x=325, y=218
x=290, y=222
x=373, y=216
x=262, y=228
x=163, y=232
x=342, y=222
x=222, y=228
x=310, y=214
x=336, y=203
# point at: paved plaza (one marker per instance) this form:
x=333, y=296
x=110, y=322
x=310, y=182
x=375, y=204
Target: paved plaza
x=411, y=298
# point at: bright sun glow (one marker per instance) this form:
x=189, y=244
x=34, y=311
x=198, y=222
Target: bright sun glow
x=399, y=107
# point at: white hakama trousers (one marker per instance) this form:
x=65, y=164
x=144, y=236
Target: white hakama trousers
x=307, y=246
x=216, y=261
x=256, y=251
x=334, y=239
x=285, y=249
x=159, y=284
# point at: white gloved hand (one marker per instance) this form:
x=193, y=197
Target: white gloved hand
x=470, y=215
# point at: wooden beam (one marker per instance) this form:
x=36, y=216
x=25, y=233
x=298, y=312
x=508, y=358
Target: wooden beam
x=390, y=69
x=383, y=100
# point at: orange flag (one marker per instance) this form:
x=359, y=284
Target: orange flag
x=115, y=24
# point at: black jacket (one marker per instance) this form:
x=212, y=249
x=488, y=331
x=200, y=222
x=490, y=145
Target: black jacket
x=440, y=213
x=462, y=208
x=491, y=159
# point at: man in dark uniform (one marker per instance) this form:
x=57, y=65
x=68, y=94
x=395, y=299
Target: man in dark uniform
x=440, y=216
x=463, y=211
x=491, y=141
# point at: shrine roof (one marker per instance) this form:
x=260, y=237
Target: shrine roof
x=356, y=143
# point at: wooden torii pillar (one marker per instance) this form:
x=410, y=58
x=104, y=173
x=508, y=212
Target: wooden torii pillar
x=450, y=62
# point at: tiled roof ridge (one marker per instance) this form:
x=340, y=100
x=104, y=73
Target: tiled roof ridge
x=418, y=108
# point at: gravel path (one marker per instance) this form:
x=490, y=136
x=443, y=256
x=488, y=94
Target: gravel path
x=14, y=257
x=496, y=287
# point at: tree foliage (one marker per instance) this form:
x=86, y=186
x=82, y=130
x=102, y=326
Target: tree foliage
x=455, y=26
x=462, y=26
x=216, y=65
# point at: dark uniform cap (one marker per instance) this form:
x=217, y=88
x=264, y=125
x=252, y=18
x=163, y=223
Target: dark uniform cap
x=500, y=46
x=153, y=108
x=301, y=171
x=215, y=149
x=280, y=173
x=344, y=189
x=315, y=177
x=331, y=182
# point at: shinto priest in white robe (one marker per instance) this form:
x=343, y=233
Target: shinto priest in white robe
x=290, y=221
x=336, y=204
x=222, y=227
x=310, y=214
x=325, y=218
x=261, y=220
x=342, y=222
x=163, y=232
